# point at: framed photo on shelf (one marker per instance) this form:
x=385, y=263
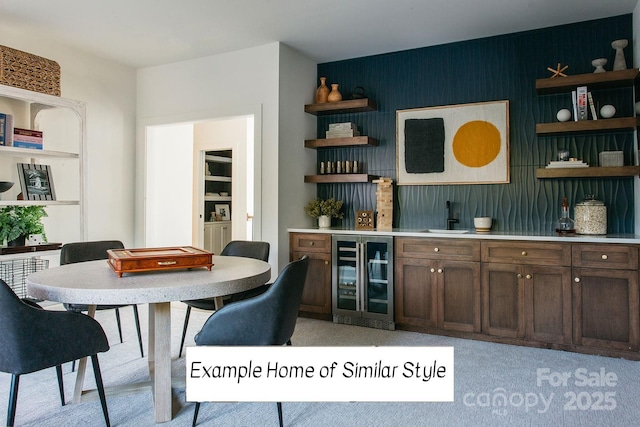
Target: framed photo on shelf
x=36, y=182
x=223, y=211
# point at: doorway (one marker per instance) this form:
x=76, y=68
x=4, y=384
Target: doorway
x=174, y=167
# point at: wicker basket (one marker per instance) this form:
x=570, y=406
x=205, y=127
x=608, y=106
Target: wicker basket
x=27, y=71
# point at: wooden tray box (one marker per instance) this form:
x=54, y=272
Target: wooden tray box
x=158, y=259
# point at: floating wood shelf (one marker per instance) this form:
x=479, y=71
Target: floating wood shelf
x=594, y=81
x=339, y=177
x=341, y=142
x=341, y=107
x=587, y=126
x=590, y=172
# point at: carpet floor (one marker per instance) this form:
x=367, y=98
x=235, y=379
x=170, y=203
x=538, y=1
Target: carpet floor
x=495, y=385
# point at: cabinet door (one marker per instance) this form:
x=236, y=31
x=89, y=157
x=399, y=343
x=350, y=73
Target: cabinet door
x=502, y=300
x=548, y=304
x=416, y=292
x=208, y=238
x=459, y=296
x=316, y=296
x=605, y=310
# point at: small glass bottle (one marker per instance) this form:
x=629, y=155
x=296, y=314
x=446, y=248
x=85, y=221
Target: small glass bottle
x=565, y=225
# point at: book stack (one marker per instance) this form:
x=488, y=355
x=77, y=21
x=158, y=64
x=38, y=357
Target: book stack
x=342, y=130
x=567, y=164
x=27, y=138
x=6, y=129
x=583, y=104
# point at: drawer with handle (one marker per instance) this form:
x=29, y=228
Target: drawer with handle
x=619, y=257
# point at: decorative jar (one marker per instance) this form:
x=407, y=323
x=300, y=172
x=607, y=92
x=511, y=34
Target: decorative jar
x=590, y=216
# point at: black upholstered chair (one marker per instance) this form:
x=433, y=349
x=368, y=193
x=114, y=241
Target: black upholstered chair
x=33, y=339
x=92, y=251
x=266, y=319
x=241, y=248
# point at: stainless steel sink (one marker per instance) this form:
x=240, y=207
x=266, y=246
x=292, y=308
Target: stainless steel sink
x=433, y=230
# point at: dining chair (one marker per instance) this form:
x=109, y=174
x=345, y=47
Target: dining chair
x=241, y=248
x=92, y=251
x=33, y=339
x=266, y=319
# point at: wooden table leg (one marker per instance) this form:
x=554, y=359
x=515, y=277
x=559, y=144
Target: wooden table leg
x=160, y=359
x=82, y=365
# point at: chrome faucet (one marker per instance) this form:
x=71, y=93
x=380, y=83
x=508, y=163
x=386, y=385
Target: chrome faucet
x=450, y=218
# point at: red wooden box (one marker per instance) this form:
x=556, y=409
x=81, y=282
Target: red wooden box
x=158, y=259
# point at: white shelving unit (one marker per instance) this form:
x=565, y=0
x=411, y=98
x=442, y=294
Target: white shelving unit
x=217, y=233
x=62, y=121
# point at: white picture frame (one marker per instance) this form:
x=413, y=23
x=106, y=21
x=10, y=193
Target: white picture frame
x=224, y=212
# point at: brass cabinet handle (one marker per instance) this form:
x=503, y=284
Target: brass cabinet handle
x=528, y=276
x=524, y=253
x=440, y=270
x=436, y=249
x=326, y=263
x=519, y=276
x=576, y=279
x=312, y=243
x=433, y=270
x=604, y=256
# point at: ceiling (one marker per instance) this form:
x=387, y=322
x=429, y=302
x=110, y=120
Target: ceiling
x=142, y=33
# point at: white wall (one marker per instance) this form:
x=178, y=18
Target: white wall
x=233, y=84
x=109, y=89
x=169, y=215
x=297, y=88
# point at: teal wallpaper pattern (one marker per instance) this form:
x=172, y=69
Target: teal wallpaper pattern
x=490, y=69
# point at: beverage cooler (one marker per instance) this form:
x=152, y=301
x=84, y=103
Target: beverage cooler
x=362, y=281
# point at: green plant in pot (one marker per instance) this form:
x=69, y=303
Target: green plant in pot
x=324, y=210
x=17, y=222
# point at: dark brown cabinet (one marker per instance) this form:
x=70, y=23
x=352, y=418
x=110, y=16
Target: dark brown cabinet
x=527, y=294
x=605, y=309
x=438, y=284
x=316, y=296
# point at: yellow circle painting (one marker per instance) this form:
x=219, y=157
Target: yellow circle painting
x=476, y=143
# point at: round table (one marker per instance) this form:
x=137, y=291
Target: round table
x=95, y=283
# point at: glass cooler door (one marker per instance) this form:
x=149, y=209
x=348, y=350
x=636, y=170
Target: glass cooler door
x=347, y=259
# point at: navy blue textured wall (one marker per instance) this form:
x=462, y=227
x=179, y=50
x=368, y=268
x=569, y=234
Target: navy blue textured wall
x=496, y=68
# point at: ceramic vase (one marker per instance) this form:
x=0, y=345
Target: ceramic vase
x=324, y=221
x=18, y=241
x=335, y=95
x=619, y=63
x=322, y=93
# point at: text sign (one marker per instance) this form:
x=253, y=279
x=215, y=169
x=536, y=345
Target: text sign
x=319, y=374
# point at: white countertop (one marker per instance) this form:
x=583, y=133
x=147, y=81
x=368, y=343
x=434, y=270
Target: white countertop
x=470, y=234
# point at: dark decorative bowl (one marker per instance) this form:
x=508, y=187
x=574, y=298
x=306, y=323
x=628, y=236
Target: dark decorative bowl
x=5, y=185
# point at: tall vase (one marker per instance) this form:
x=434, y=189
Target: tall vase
x=619, y=63
x=335, y=95
x=324, y=221
x=322, y=92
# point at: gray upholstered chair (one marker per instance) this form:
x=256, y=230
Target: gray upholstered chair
x=266, y=319
x=92, y=251
x=33, y=339
x=242, y=248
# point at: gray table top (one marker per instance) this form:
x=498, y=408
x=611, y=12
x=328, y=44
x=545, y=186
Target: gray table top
x=95, y=282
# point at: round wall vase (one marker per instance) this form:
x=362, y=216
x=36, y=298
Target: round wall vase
x=599, y=64
x=322, y=93
x=563, y=115
x=607, y=111
x=324, y=221
x=619, y=63
x=334, y=95
x=18, y=241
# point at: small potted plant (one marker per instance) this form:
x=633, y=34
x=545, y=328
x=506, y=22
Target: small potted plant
x=324, y=210
x=18, y=222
